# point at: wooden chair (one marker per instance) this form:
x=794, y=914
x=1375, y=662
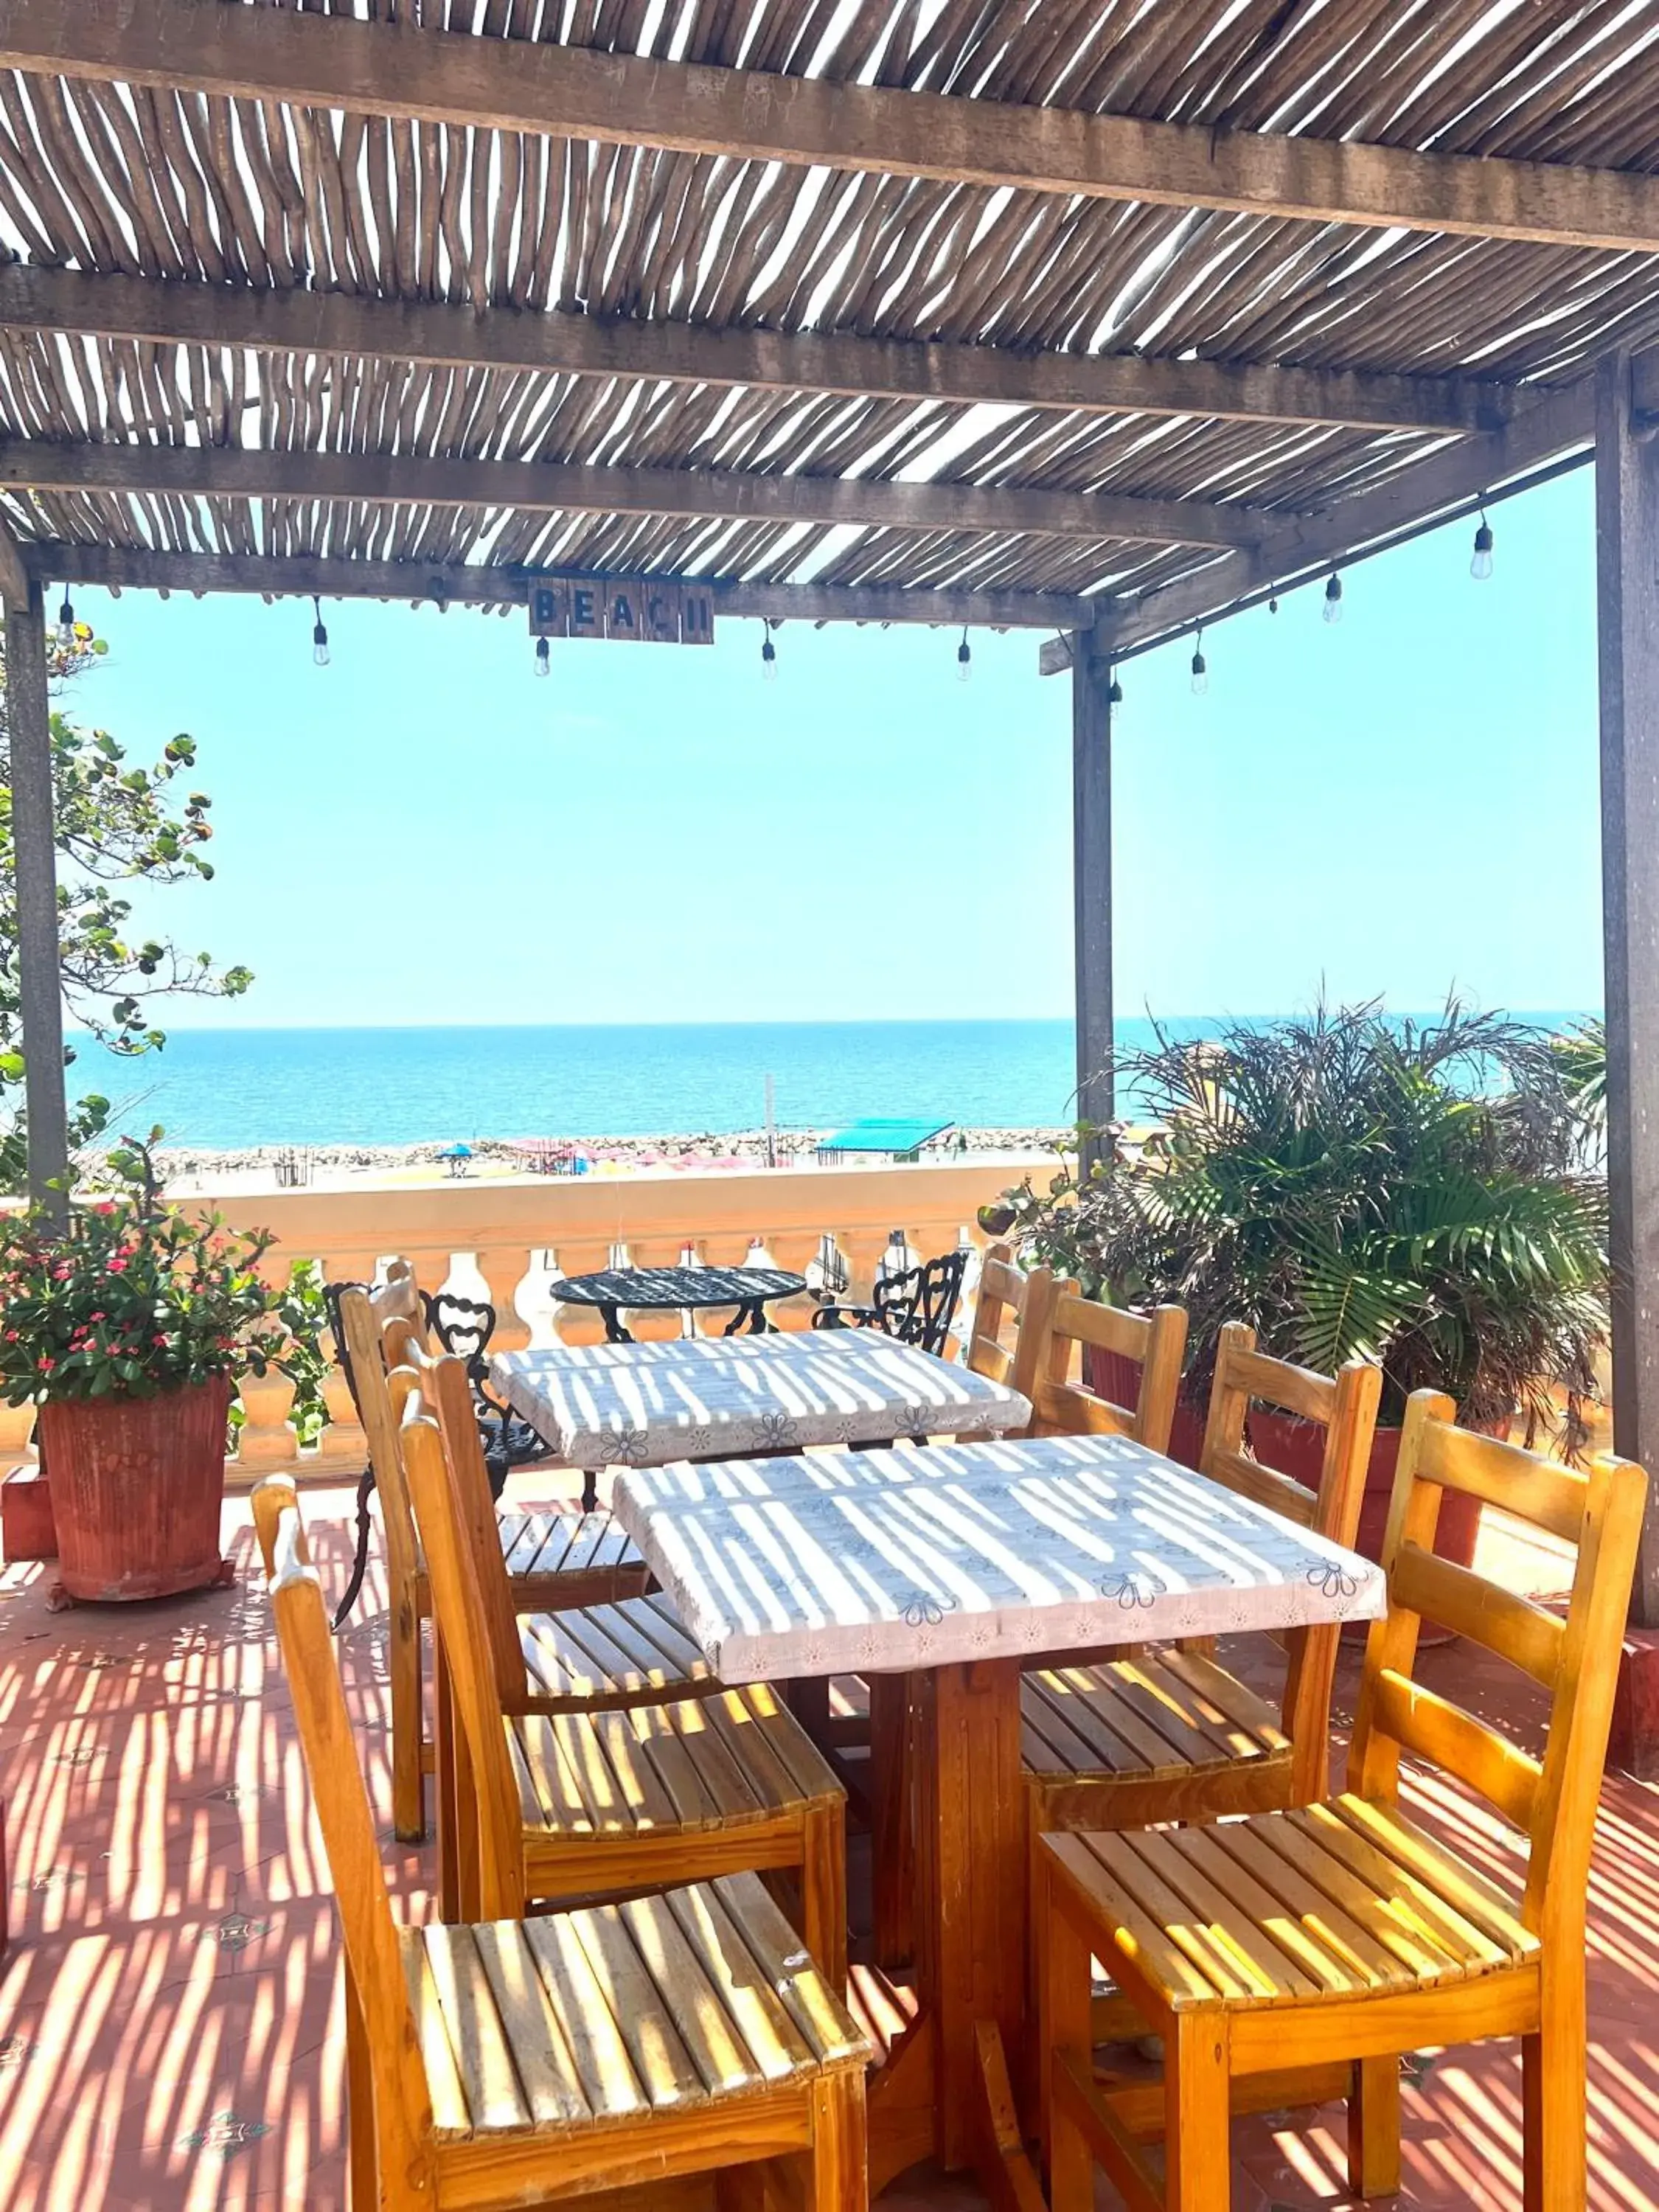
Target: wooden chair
x=520, y=2062
x=1028, y=1293
x=538, y=1805
x=1171, y=1734
x=552, y=1560
x=1276, y=1951
x=1154, y=1342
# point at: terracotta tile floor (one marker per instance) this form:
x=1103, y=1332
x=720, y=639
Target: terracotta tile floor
x=170, y=2023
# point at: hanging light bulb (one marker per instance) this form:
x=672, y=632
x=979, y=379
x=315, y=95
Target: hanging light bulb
x=1480, y=565
x=543, y=658
x=66, y=621
x=769, y=658
x=1272, y=605
x=964, y=658
x=1114, y=691
x=1333, y=607
x=1200, y=668
x=318, y=636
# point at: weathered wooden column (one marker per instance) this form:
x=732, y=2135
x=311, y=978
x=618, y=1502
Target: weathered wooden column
x=1628, y=614
x=1092, y=875
x=34, y=850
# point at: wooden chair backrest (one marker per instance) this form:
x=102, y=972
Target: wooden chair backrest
x=1157, y=1342
x=446, y=1397
x=461, y=1613
x=1030, y=1294
x=375, y=1409
x=374, y=1974
x=1598, y=1509
x=400, y=1317
x=398, y=1297
x=1344, y=1406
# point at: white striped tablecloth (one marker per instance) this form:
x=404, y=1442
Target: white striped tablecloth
x=702, y=1397
x=921, y=1556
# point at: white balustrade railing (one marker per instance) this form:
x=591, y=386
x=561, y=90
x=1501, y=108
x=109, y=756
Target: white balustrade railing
x=510, y=1242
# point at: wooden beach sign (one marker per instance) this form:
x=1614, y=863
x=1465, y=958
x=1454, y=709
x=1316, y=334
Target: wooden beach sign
x=640, y=609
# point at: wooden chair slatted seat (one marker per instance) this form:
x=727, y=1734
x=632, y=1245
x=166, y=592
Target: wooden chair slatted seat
x=597, y=1799
x=516, y=2062
x=1296, y=1954
x=1171, y=1735
x=554, y=1559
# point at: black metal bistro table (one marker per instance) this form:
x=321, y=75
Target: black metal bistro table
x=683, y=1290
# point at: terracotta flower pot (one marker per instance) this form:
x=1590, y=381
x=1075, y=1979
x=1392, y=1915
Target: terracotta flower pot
x=136, y=1488
x=1297, y=1448
x=1111, y=1375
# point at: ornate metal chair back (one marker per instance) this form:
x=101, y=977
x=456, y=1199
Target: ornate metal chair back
x=918, y=1306
x=463, y=1327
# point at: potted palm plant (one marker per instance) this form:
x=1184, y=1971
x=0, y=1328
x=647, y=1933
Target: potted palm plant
x=127, y=1329
x=1350, y=1185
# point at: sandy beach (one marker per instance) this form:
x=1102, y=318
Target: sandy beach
x=194, y=1171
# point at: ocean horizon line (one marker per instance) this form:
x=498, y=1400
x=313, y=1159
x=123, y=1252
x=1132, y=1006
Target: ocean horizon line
x=229, y=1088
x=829, y=1021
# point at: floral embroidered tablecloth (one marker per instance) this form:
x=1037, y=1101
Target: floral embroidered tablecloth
x=918, y=1557
x=700, y=1397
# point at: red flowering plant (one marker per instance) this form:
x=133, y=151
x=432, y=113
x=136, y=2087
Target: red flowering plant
x=131, y=1298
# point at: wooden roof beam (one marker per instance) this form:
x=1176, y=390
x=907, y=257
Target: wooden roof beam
x=13, y=574
x=419, y=480
x=120, y=568
x=76, y=303
x=385, y=69
x=1349, y=528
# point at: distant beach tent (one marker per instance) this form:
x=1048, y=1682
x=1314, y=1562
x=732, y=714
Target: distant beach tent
x=457, y=1158
x=899, y=1139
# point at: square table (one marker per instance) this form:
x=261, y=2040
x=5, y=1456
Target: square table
x=642, y=1405
x=950, y=1567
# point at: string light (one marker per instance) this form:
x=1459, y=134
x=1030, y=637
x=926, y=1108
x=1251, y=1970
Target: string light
x=1200, y=668
x=1480, y=564
x=964, y=658
x=1272, y=605
x=66, y=621
x=768, y=657
x=543, y=658
x=319, y=634
x=1333, y=607
x=1114, y=691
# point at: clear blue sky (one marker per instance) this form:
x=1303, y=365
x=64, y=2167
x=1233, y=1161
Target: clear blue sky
x=1397, y=804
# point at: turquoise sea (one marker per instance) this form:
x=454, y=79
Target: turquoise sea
x=232, y=1088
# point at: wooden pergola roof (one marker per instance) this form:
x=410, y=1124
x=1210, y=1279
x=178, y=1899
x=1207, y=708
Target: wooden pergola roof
x=1100, y=316
x=1057, y=313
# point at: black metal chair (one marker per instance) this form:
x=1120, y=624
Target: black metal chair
x=916, y=1307
x=463, y=1327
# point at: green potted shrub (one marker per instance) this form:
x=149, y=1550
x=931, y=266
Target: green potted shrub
x=127, y=1329
x=1352, y=1185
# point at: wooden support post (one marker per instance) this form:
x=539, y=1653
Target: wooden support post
x=34, y=852
x=1627, y=603
x=1091, y=879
